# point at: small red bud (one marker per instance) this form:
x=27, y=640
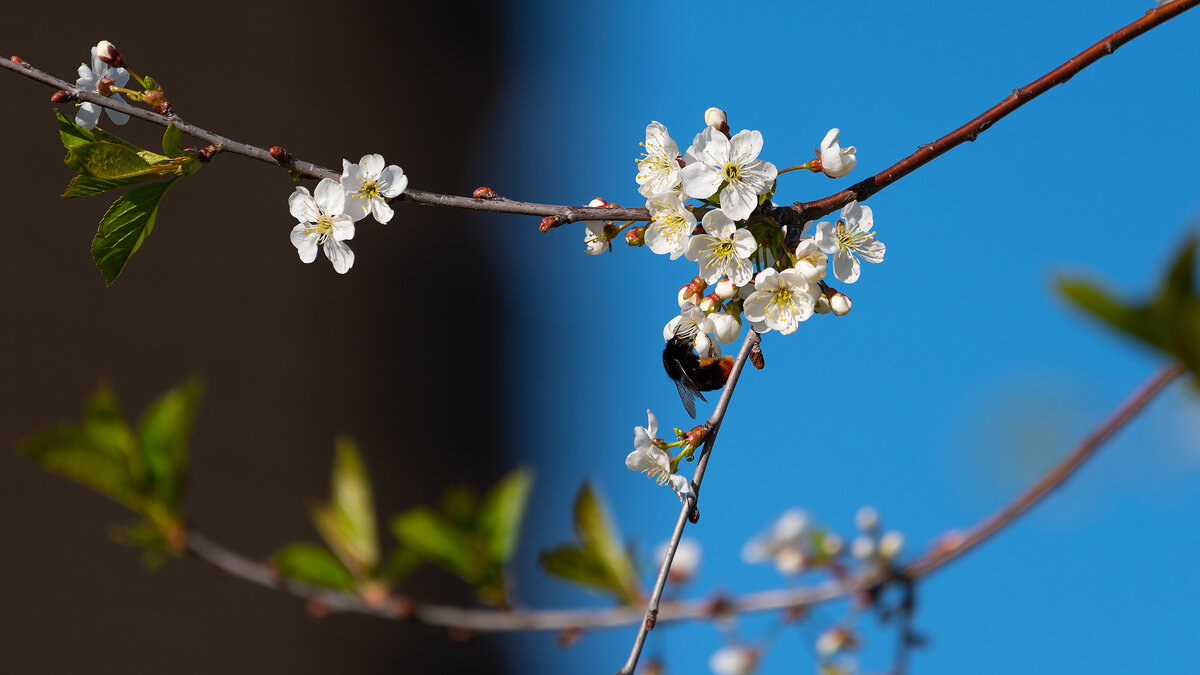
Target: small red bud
x=756, y=357
x=484, y=192
x=279, y=153
x=154, y=97
x=568, y=636
x=551, y=222
x=403, y=606
x=696, y=436
x=461, y=634
x=636, y=236
x=61, y=96
x=16, y=59
x=105, y=85
x=206, y=153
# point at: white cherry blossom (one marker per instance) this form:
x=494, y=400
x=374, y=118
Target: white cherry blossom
x=671, y=225
x=369, y=184
x=725, y=326
x=781, y=300
x=692, y=321
x=89, y=80
x=653, y=460
x=733, y=660
x=322, y=223
x=594, y=237
x=850, y=235
x=658, y=169
x=836, y=161
x=723, y=250
x=733, y=162
x=810, y=260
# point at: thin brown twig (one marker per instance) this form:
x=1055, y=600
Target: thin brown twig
x=796, y=214
x=481, y=620
x=688, y=511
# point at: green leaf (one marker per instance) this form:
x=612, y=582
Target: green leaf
x=398, y=565
x=163, y=435
x=314, y=565
x=156, y=549
x=460, y=506
x=432, y=537
x=68, y=451
x=501, y=514
x=581, y=567
x=85, y=186
x=125, y=226
x=347, y=523
x=599, y=536
x=1170, y=322
x=172, y=141
x=72, y=134
x=109, y=161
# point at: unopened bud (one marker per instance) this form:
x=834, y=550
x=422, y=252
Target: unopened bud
x=551, y=222
x=840, y=304
x=832, y=545
x=636, y=236
x=484, y=192
x=890, y=545
x=16, y=59
x=725, y=289
x=375, y=594
x=709, y=303
x=598, y=202
x=107, y=52
x=60, y=96
x=867, y=519
x=717, y=119
x=693, y=291
x=105, y=85
x=822, y=306
x=279, y=153
x=568, y=636
x=790, y=560
x=696, y=436
x=206, y=153
x=756, y=357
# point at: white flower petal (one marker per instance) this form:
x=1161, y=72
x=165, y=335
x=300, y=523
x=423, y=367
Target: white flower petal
x=117, y=116
x=371, y=164
x=339, y=254
x=826, y=238
x=392, y=181
x=87, y=115
x=845, y=267
x=746, y=145
x=305, y=243
x=381, y=211
x=330, y=196
x=700, y=180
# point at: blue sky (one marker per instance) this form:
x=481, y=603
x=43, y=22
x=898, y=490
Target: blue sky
x=959, y=374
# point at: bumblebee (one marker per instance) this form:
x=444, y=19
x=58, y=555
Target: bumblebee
x=691, y=373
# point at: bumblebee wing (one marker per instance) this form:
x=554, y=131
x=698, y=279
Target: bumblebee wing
x=688, y=391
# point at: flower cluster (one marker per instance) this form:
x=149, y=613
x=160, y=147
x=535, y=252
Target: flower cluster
x=100, y=77
x=711, y=204
x=326, y=216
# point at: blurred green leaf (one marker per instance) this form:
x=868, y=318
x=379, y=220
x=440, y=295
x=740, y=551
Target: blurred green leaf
x=398, y=564
x=601, y=561
x=172, y=141
x=125, y=226
x=581, y=567
x=69, y=451
x=460, y=506
x=156, y=550
x=109, y=161
x=347, y=523
x=502, y=512
x=1170, y=322
x=434, y=538
x=163, y=436
x=313, y=564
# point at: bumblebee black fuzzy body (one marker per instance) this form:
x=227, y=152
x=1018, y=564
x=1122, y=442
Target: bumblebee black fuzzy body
x=691, y=373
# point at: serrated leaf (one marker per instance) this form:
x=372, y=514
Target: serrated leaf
x=150, y=157
x=163, y=436
x=72, y=134
x=575, y=565
x=125, y=226
x=172, y=141
x=85, y=186
x=501, y=514
x=434, y=538
x=314, y=565
x=598, y=534
x=109, y=161
x=347, y=523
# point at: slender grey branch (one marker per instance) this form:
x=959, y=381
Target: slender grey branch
x=688, y=511
x=222, y=144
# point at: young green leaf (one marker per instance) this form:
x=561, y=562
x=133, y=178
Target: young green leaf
x=582, y=568
x=72, y=134
x=347, y=523
x=85, y=186
x=110, y=161
x=434, y=538
x=172, y=141
x=398, y=564
x=125, y=226
x=501, y=514
x=599, y=536
x=313, y=565
x=163, y=435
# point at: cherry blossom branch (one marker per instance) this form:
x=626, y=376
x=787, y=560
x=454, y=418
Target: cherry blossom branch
x=971, y=130
x=399, y=607
x=797, y=213
x=689, y=510
x=220, y=143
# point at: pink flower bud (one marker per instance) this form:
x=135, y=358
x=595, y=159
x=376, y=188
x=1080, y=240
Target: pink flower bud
x=840, y=304
x=717, y=119
x=725, y=289
x=636, y=236
x=107, y=52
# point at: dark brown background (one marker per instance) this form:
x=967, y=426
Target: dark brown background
x=291, y=354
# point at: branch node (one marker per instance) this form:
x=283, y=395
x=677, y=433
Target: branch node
x=651, y=619
x=551, y=222
x=19, y=61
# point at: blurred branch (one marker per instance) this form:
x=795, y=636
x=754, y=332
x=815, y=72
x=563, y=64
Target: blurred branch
x=400, y=607
x=689, y=511
x=797, y=213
